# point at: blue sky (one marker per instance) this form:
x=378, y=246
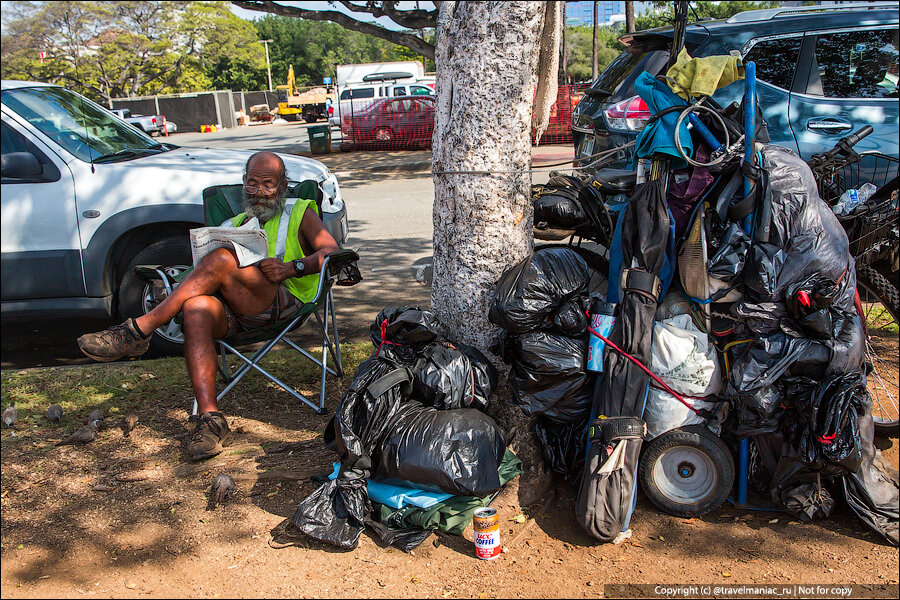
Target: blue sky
x=383, y=21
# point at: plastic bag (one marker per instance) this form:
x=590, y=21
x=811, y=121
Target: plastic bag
x=683, y=358
x=335, y=512
x=563, y=445
x=403, y=331
x=559, y=208
x=453, y=451
x=528, y=295
x=728, y=262
x=454, y=376
x=549, y=376
x=405, y=539
x=827, y=422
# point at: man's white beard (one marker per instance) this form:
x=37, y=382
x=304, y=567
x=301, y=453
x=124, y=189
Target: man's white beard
x=263, y=209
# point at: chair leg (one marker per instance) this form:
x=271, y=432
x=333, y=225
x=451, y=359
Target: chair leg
x=339, y=366
x=223, y=363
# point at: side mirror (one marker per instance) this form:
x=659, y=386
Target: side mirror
x=20, y=165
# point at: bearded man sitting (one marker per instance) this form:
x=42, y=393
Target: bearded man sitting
x=219, y=298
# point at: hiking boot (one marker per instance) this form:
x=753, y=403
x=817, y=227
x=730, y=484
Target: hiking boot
x=114, y=343
x=210, y=435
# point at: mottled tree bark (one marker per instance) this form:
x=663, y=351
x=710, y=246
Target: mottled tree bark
x=486, y=55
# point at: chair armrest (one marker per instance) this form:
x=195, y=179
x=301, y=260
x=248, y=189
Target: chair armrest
x=340, y=266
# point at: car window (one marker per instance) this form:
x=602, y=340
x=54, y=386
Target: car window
x=418, y=90
x=13, y=141
x=857, y=64
x=400, y=91
x=81, y=127
x=358, y=93
x=423, y=106
x=775, y=60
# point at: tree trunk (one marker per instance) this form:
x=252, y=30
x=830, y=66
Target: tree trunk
x=629, y=16
x=594, y=69
x=486, y=55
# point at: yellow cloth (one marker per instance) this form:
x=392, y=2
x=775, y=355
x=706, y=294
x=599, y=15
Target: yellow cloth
x=694, y=77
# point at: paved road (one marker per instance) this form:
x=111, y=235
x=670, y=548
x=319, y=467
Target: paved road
x=389, y=197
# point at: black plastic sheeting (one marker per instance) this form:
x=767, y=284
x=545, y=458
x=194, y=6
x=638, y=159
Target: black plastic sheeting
x=453, y=451
x=529, y=295
x=454, y=376
x=549, y=375
x=563, y=445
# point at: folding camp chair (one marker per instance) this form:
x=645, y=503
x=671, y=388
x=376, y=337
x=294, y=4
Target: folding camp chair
x=221, y=203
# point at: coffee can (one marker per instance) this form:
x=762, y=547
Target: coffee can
x=486, y=523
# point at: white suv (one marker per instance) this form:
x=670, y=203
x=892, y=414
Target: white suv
x=85, y=197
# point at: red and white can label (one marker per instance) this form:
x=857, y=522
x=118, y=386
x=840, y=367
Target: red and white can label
x=487, y=533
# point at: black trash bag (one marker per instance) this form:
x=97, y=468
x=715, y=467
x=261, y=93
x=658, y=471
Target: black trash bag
x=761, y=317
x=403, y=331
x=808, y=502
x=452, y=451
x=454, y=376
x=549, y=376
x=753, y=386
x=829, y=423
x=764, y=264
x=808, y=303
x=571, y=318
x=558, y=207
x=804, y=228
x=335, y=512
x=873, y=492
x=728, y=261
x=564, y=445
x=528, y=295
x=405, y=539
x=848, y=347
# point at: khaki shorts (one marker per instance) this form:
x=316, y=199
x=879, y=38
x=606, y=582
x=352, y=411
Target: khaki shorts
x=284, y=306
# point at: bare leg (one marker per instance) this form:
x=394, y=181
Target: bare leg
x=246, y=290
x=204, y=321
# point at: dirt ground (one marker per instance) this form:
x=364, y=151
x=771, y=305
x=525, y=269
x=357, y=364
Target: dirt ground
x=129, y=516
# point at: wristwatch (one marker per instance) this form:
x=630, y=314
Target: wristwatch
x=299, y=267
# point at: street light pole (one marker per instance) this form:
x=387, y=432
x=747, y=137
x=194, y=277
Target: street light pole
x=268, y=67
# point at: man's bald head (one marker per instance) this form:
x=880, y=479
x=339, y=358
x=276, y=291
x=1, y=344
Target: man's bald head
x=267, y=162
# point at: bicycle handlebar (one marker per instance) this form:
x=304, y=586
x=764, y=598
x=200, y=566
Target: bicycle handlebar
x=852, y=139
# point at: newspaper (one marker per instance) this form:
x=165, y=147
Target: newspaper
x=249, y=242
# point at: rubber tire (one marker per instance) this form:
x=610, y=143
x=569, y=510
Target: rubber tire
x=700, y=438
x=310, y=118
x=869, y=278
x=175, y=250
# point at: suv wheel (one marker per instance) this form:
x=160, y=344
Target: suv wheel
x=135, y=299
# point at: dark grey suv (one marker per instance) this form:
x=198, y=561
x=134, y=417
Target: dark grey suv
x=823, y=71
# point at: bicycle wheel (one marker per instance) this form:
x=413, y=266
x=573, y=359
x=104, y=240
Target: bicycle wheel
x=881, y=305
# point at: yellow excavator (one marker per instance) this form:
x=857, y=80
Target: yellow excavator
x=311, y=104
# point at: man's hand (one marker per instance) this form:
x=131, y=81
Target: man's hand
x=275, y=270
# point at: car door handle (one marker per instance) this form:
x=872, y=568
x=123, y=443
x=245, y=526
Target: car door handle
x=828, y=125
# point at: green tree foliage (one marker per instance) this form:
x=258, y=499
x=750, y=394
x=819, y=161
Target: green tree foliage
x=579, y=48
x=703, y=8
x=122, y=49
x=315, y=48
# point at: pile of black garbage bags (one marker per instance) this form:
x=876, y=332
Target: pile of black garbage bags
x=413, y=416
x=541, y=304
x=798, y=390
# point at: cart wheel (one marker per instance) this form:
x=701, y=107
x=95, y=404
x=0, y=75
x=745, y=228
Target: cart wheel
x=687, y=472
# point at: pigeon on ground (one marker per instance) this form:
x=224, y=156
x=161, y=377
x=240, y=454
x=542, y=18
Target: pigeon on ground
x=130, y=422
x=54, y=412
x=223, y=488
x=95, y=416
x=9, y=415
x=82, y=436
